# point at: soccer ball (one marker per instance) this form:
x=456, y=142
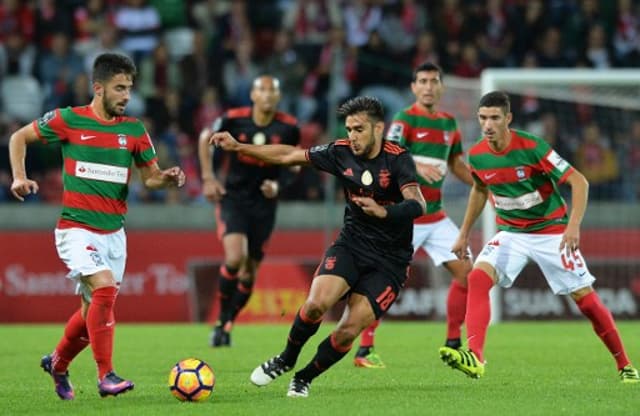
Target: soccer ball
x=191, y=380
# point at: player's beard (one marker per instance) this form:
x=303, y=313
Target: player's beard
x=366, y=150
x=111, y=107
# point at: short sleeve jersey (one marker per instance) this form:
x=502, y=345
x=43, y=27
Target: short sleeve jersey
x=523, y=181
x=97, y=160
x=431, y=138
x=381, y=178
x=244, y=174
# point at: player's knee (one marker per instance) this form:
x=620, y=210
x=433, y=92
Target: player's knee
x=480, y=271
x=580, y=293
x=103, y=278
x=314, y=310
x=233, y=260
x=345, y=334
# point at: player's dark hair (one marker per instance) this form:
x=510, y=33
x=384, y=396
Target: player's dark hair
x=496, y=99
x=370, y=105
x=427, y=67
x=108, y=65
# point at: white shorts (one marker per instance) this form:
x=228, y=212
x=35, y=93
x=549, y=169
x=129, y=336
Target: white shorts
x=86, y=253
x=509, y=252
x=436, y=239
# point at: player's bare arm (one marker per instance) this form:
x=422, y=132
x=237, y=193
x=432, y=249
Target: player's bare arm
x=460, y=169
x=21, y=185
x=275, y=154
x=579, y=196
x=413, y=192
x=212, y=188
x=155, y=178
x=477, y=200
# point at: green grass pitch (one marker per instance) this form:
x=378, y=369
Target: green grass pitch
x=534, y=368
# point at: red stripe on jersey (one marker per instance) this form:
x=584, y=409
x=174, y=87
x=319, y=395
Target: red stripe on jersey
x=64, y=224
x=550, y=229
x=416, y=110
x=524, y=223
x=546, y=190
x=431, y=194
x=286, y=118
x=99, y=139
x=94, y=203
x=239, y=112
x=564, y=177
x=341, y=142
x=497, y=176
x=393, y=148
x=429, y=218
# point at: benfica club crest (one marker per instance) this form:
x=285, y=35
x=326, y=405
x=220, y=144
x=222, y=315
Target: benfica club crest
x=384, y=178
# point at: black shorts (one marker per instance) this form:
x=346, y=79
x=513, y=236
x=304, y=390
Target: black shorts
x=255, y=220
x=380, y=283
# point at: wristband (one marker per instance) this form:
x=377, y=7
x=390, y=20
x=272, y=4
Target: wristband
x=407, y=209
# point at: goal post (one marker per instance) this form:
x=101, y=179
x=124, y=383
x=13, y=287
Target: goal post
x=612, y=96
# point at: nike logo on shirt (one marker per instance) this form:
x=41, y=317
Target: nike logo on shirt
x=490, y=175
x=422, y=134
x=83, y=137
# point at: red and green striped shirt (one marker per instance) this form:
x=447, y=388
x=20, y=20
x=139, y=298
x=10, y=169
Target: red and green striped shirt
x=523, y=181
x=97, y=159
x=431, y=138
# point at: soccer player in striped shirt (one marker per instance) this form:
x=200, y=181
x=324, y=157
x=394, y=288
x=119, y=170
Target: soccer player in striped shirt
x=99, y=144
x=434, y=141
x=521, y=172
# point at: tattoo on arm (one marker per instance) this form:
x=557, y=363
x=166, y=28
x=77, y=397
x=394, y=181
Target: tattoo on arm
x=413, y=192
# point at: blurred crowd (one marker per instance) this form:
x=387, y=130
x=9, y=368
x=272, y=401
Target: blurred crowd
x=196, y=58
